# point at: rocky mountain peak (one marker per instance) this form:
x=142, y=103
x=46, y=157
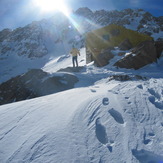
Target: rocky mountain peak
x=4, y=34
x=23, y=41
x=85, y=12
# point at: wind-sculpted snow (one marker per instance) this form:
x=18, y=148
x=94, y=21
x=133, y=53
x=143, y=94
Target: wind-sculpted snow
x=116, y=123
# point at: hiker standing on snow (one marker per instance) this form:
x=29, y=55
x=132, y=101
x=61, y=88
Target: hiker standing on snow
x=74, y=52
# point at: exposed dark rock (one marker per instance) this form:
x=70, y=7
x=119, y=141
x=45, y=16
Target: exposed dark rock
x=148, y=16
x=108, y=37
x=125, y=45
x=126, y=77
x=33, y=84
x=143, y=21
x=103, y=58
x=147, y=33
x=115, y=32
x=4, y=34
x=128, y=11
x=159, y=48
x=123, y=22
x=71, y=69
x=121, y=53
x=160, y=22
x=143, y=54
x=156, y=30
x=140, y=26
x=85, y=11
x=160, y=39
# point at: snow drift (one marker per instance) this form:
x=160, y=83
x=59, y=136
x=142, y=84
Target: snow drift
x=108, y=122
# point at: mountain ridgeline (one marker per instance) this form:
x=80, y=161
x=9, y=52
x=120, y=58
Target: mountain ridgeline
x=48, y=36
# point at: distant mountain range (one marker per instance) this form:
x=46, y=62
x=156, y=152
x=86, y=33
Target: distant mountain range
x=34, y=39
x=136, y=19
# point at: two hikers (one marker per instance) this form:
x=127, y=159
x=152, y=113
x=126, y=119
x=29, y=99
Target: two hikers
x=74, y=52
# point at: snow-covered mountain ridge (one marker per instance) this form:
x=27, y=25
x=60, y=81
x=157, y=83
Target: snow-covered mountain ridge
x=33, y=40
x=135, y=19
x=34, y=45
x=44, y=37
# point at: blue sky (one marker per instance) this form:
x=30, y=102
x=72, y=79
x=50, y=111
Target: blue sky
x=15, y=13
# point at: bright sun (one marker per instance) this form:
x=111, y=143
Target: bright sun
x=52, y=5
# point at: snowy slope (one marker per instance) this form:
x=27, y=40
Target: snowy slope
x=102, y=121
x=64, y=61
x=112, y=122
x=35, y=44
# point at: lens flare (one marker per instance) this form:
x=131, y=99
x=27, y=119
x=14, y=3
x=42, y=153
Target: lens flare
x=52, y=5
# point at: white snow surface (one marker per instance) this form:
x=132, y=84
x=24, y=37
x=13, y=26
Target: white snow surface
x=99, y=121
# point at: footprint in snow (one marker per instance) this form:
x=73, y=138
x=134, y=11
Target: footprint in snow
x=151, y=134
x=154, y=93
x=162, y=124
x=105, y=101
x=116, y=115
x=155, y=99
x=148, y=138
x=93, y=90
x=101, y=135
x=101, y=132
x=140, y=86
x=157, y=103
x=147, y=141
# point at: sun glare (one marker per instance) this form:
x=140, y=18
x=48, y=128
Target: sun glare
x=52, y=5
